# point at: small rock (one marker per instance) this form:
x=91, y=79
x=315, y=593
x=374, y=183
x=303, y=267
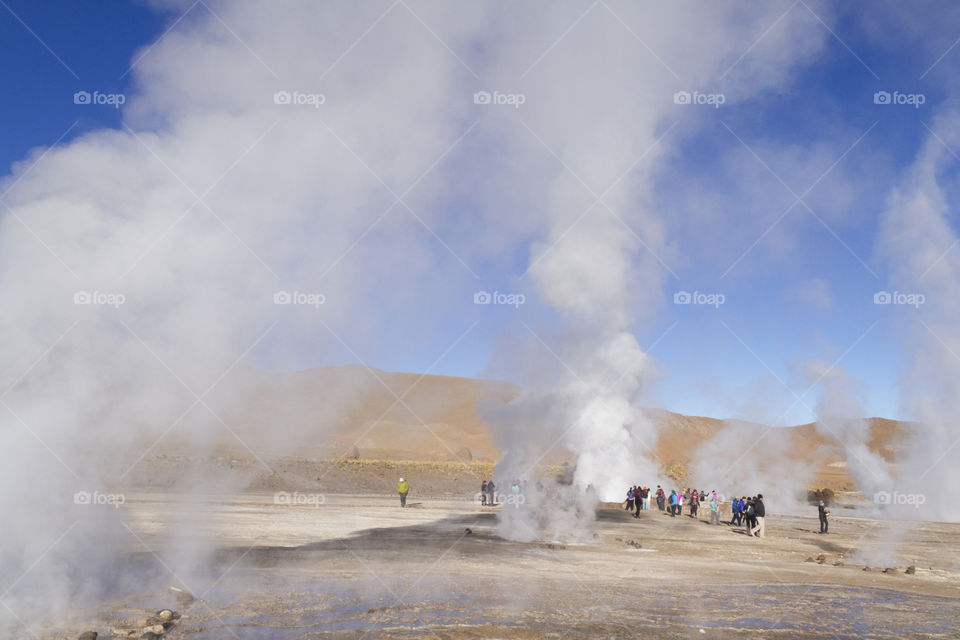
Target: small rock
x=88, y=635
x=838, y=563
x=156, y=628
x=867, y=569
x=166, y=615
x=467, y=531
x=821, y=559
x=810, y=559
x=910, y=570
x=149, y=635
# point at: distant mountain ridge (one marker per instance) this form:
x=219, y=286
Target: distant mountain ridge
x=352, y=411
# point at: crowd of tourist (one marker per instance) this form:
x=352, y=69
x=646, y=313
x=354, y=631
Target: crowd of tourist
x=748, y=512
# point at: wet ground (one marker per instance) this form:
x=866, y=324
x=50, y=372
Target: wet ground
x=360, y=567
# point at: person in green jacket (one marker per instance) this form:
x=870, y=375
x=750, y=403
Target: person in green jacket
x=402, y=488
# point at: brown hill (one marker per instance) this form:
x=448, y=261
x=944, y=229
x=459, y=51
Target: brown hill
x=356, y=411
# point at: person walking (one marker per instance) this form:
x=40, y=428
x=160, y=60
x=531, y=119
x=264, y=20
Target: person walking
x=660, y=497
x=491, y=494
x=749, y=516
x=680, y=503
x=673, y=503
x=760, y=513
x=631, y=496
x=483, y=493
x=646, y=498
x=694, y=503
x=403, y=487
x=714, y=509
x=824, y=514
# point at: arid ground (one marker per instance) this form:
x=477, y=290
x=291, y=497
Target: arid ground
x=315, y=545
x=359, y=566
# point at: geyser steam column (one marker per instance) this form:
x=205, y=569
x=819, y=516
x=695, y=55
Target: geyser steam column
x=583, y=403
x=596, y=124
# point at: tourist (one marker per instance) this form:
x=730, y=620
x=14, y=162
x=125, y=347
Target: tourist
x=736, y=507
x=749, y=515
x=483, y=493
x=760, y=512
x=680, y=503
x=491, y=493
x=402, y=488
x=694, y=503
x=673, y=503
x=824, y=514
x=660, y=497
x=631, y=496
x=714, y=509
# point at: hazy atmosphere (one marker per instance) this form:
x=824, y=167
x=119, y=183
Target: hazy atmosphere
x=331, y=319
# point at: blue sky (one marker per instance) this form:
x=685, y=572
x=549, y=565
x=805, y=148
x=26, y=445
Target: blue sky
x=802, y=292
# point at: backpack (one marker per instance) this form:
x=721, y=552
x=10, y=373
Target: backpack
x=750, y=511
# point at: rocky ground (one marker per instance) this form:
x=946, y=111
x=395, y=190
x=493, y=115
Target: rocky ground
x=356, y=566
